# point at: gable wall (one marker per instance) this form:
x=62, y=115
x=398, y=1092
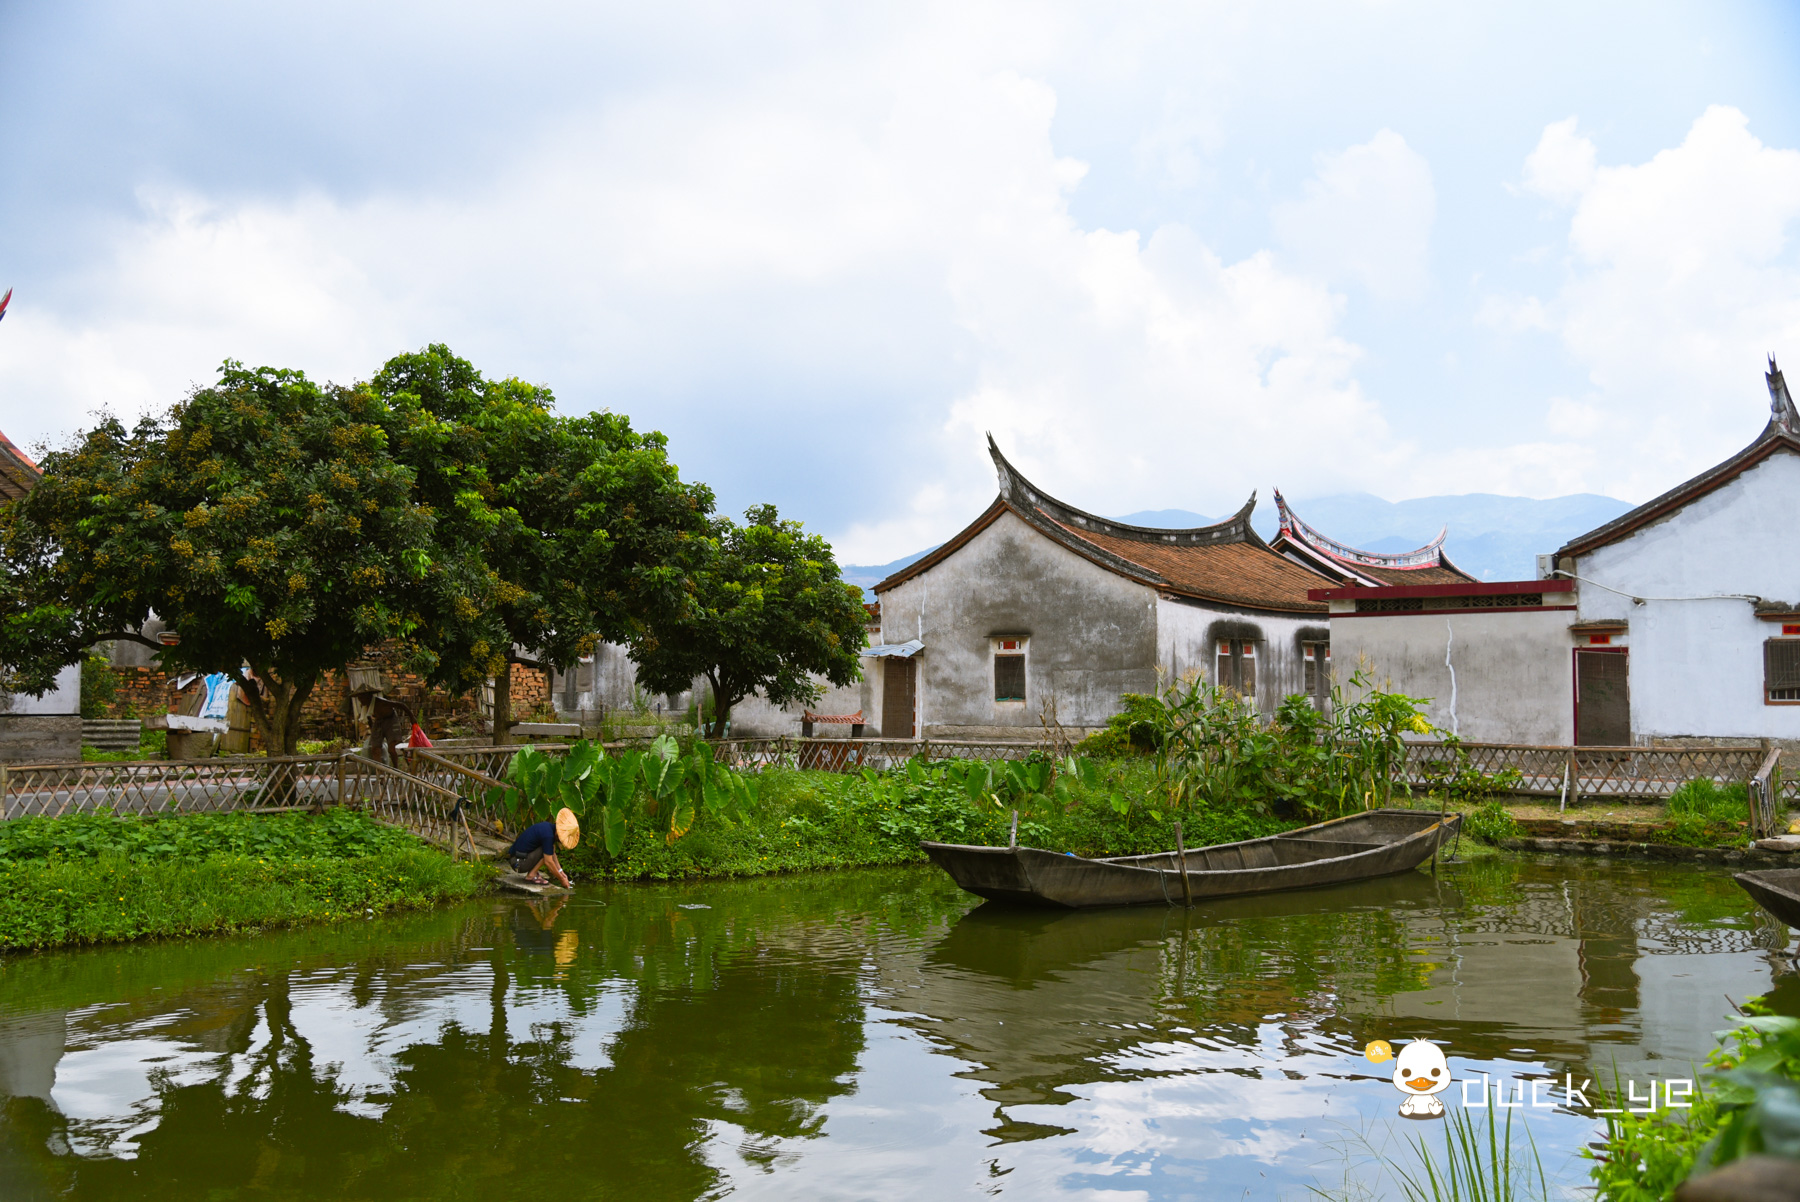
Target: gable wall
x=1696, y=666
x=1092, y=634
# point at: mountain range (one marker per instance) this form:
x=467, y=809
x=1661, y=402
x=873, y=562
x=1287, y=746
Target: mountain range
x=1491, y=537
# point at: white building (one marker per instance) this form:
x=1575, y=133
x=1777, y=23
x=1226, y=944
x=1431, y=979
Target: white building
x=1690, y=603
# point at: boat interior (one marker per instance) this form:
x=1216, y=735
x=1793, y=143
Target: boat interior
x=1363, y=832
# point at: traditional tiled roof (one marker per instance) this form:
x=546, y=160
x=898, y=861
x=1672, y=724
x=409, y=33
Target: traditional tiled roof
x=18, y=474
x=1225, y=562
x=1780, y=436
x=1350, y=565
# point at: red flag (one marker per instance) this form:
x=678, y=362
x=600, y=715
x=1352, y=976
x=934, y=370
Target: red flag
x=418, y=738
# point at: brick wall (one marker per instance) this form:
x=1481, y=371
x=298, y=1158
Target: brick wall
x=145, y=691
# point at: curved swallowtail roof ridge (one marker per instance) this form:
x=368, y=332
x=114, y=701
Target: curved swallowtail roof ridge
x=1225, y=562
x=1424, y=565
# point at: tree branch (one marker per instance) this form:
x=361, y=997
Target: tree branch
x=128, y=635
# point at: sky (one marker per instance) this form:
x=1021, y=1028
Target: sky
x=1166, y=254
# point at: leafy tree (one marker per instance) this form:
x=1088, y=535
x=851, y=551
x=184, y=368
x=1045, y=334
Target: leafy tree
x=265, y=519
x=766, y=613
x=580, y=522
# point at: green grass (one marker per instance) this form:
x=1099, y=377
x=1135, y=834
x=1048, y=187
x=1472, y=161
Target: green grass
x=152, y=745
x=335, y=834
x=100, y=878
x=814, y=820
x=55, y=903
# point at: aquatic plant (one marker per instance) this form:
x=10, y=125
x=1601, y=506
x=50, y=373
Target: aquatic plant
x=1750, y=1104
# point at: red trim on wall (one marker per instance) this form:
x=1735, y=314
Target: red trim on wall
x=1428, y=613
x=1497, y=588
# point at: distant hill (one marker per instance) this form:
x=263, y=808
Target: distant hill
x=1491, y=537
x=870, y=575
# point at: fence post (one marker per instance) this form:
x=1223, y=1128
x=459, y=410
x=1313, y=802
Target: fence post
x=5, y=793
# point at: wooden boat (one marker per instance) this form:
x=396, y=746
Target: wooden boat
x=1776, y=890
x=1370, y=844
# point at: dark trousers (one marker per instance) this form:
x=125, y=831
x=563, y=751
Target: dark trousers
x=526, y=861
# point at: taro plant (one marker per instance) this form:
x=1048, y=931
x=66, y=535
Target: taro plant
x=656, y=784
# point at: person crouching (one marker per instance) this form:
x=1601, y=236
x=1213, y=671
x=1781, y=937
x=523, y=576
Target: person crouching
x=535, y=848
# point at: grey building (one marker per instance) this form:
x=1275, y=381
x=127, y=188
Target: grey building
x=1039, y=607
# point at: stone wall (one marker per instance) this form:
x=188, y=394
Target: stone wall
x=40, y=738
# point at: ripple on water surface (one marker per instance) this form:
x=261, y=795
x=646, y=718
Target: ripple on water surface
x=866, y=1034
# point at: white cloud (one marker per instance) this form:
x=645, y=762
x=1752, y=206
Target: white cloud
x=1682, y=276
x=1366, y=216
x=845, y=239
x=1562, y=166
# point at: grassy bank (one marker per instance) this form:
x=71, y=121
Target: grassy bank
x=97, y=878
x=812, y=820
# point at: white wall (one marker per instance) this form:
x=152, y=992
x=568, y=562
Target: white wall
x=1696, y=667
x=65, y=698
x=1514, y=670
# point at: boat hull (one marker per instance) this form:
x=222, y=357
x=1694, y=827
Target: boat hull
x=1776, y=890
x=1372, y=844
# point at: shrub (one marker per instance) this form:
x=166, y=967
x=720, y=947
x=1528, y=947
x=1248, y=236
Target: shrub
x=1491, y=822
x=99, y=685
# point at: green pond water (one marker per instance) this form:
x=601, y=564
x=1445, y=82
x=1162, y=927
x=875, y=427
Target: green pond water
x=872, y=1034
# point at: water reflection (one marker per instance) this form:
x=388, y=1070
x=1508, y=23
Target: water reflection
x=857, y=1034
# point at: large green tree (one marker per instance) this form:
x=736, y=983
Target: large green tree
x=267, y=520
x=582, y=522
x=766, y=612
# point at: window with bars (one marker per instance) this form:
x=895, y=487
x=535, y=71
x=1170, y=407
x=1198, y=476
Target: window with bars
x=1318, y=673
x=1009, y=669
x=1781, y=670
x=1237, y=666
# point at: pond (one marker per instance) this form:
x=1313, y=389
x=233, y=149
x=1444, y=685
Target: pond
x=871, y=1034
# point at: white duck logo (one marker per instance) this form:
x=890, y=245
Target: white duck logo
x=1420, y=1072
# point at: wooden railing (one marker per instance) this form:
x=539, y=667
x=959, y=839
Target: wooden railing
x=405, y=800
x=1625, y=773
x=1764, y=785
x=169, y=786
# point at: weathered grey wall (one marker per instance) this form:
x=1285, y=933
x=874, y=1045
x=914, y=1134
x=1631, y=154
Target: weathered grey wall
x=1188, y=634
x=40, y=738
x=1514, y=671
x=1696, y=667
x=1092, y=634
x=755, y=718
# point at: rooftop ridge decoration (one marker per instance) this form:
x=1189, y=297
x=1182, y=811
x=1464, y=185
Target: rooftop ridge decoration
x=1781, y=405
x=1782, y=433
x=1023, y=495
x=1428, y=556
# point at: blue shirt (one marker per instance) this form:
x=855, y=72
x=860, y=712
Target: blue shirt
x=538, y=835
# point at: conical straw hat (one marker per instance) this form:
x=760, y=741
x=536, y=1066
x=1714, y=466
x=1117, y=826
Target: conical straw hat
x=568, y=831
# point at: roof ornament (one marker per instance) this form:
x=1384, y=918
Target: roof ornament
x=1430, y=555
x=1781, y=405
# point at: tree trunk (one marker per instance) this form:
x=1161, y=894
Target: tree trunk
x=503, y=706
x=275, y=710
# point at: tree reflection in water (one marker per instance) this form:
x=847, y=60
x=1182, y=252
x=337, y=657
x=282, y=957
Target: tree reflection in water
x=651, y=1042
